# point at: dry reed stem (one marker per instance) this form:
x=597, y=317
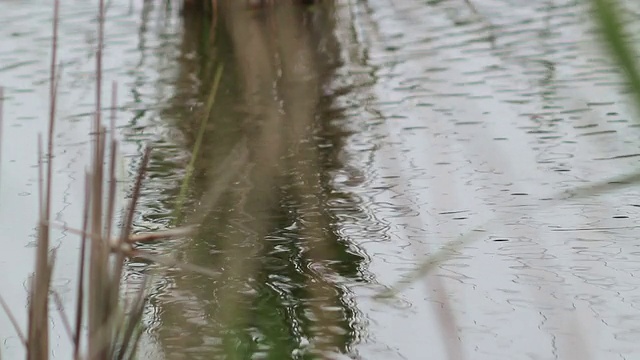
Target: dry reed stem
x=114, y=112
x=63, y=315
x=40, y=177
x=128, y=251
x=1, y=125
x=13, y=320
x=128, y=224
x=132, y=329
x=112, y=163
x=98, y=119
x=115, y=243
x=98, y=262
x=159, y=235
x=126, y=228
x=81, y=268
x=99, y=341
x=38, y=338
x=111, y=195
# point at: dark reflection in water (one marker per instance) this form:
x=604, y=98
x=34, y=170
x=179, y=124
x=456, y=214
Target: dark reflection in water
x=285, y=268
x=427, y=120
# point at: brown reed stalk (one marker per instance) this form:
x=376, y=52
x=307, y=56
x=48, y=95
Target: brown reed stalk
x=98, y=261
x=1, y=123
x=81, y=269
x=38, y=337
x=112, y=163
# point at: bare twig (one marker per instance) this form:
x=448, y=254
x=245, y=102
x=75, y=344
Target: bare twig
x=142, y=237
x=172, y=262
x=13, y=320
x=63, y=315
x=111, y=195
x=40, y=178
x=126, y=249
x=1, y=121
x=128, y=223
x=81, y=268
x=134, y=317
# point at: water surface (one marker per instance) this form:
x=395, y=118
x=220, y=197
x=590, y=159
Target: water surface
x=432, y=118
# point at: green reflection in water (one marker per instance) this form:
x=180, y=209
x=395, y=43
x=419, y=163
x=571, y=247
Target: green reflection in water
x=274, y=235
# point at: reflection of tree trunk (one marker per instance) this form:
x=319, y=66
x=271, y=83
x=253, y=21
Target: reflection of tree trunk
x=254, y=57
x=280, y=83
x=278, y=65
x=301, y=95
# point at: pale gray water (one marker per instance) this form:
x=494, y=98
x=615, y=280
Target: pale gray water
x=464, y=117
x=442, y=117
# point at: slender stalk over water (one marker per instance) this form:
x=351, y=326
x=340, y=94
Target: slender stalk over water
x=196, y=147
x=1, y=125
x=13, y=320
x=112, y=162
x=38, y=338
x=98, y=253
x=81, y=268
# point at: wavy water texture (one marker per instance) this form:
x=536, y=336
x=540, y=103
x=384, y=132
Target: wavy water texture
x=431, y=118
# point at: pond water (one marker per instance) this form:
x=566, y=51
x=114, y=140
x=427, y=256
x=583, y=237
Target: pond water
x=434, y=119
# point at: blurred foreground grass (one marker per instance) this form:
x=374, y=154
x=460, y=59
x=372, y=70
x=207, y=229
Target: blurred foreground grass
x=607, y=16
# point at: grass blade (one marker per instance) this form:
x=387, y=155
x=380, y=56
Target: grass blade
x=196, y=147
x=607, y=16
x=13, y=320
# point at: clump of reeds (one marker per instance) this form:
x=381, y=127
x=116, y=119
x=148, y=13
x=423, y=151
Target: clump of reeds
x=112, y=327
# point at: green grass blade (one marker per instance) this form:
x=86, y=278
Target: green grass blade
x=196, y=148
x=606, y=13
